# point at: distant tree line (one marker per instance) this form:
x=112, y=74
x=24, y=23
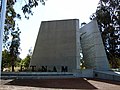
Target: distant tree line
x=18, y=62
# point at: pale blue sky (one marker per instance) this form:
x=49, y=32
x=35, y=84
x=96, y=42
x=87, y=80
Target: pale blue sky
x=53, y=10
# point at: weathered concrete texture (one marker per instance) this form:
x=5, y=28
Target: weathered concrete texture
x=56, y=45
x=94, y=53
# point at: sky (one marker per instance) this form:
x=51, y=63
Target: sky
x=53, y=10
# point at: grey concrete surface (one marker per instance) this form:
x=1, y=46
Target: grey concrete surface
x=56, y=45
x=60, y=42
x=94, y=53
x=110, y=75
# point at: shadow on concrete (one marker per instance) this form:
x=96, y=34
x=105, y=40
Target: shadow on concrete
x=106, y=81
x=58, y=83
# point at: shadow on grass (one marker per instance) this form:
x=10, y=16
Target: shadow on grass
x=58, y=83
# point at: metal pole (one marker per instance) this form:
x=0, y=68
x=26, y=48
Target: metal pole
x=2, y=21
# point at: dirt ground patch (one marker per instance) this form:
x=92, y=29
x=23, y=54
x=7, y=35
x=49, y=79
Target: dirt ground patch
x=59, y=83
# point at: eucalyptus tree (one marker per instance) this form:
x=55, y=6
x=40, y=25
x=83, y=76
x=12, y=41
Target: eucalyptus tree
x=108, y=17
x=11, y=40
x=11, y=15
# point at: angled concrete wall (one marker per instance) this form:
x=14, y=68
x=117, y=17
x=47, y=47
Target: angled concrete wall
x=93, y=49
x=56, y=45
x=60, y=42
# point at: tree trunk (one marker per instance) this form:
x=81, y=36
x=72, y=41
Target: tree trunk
x=13, y=68
x=12, y=60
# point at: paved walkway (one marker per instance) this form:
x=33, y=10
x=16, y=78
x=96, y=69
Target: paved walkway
x=59, y=83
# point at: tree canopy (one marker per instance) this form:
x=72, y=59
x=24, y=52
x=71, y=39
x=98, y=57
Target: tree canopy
x=11, y=15
x=26, y=61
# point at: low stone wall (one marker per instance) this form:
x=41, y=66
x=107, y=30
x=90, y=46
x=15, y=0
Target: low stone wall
x=35, y=75
x=87, y=73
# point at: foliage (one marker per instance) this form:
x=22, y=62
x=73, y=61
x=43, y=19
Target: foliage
x=11, y=40
x=27, y=8
x=10, y=24
x=26, y=61
x=11, y=15
x=6, y=59
x=108, y=17
x=14, y=47
x=12, y=32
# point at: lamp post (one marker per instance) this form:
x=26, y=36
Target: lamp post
x=2, y=21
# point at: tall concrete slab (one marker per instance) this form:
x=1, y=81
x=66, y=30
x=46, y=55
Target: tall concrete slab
x=57, y=46
x=94, y=53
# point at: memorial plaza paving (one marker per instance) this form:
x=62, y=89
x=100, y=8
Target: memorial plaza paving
x=59, y=84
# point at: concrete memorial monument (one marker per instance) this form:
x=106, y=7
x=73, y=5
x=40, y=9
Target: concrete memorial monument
x=58, y=47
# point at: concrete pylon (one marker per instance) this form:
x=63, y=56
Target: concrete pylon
x=93, y=49
x=57, y=46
